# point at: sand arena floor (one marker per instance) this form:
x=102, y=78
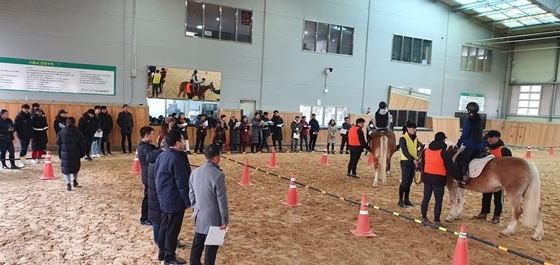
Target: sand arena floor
x=41, y=223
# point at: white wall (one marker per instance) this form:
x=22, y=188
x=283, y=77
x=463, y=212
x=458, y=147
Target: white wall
x=100, y=32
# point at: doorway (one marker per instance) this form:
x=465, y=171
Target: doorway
x=248, y=107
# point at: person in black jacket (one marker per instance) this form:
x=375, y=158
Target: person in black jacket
x=313, y=131
x=276, y=130
x=100, y=122
x=107, y=132
x=7, y=130
x=172, y=186
x=73, y=147
x=435, y=168
x=59, y=123
x=145, y=147
x=125, y=121
x=88, y=127
x=201, y=130
x=344, y=134
x=40, y=138
x=24, y=130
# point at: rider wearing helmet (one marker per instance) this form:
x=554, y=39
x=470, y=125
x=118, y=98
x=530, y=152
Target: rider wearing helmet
x=472, y=139
x=382, y=117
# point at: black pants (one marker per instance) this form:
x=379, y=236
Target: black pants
x=331, y=147
x=126, y=137
x=7, y=146
x=155, y=89
x=353, y=163
x=255, y=147
x=438, y=191
x=264, y=142
x=196, y=251
x=89, y=141
x=168, y=233
x=24, y=143
x=344, y=142
x=199, y=146
x=312, y=141
x=279, y=144
x=106, y=140
x=498, y=203
x=407, y=168
x=144, y=211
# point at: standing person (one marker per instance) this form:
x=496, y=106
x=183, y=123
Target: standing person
x=304, y=134
x=244, y=133
x=24, y=130
x=40, y=138
x=313, y=132
x=472, y=138
x=165, y=128
x=183, y=124
x=256, y=133
x=276, y=129
x=125, y=121
x=100, y=122
x=369, y=129
x=145, y=147
x=234, y=133
x=201, y=128
x=265, y=132
x=409, y=160
x=356, y=144
x=437, y=165
x=208, y=194
x=88, y=127
x=73, y=147
x=163, y=74
x=220, y=135
x=156, y=79
x=498, y=149
x=107, y=131
x=7, y=130
x=173, y=171
x=331, y=139
x=296, y=131
x=59, y=123
x=344, y=134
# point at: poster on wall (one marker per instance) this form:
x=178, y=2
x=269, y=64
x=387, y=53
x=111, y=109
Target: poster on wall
x=465, y=98
x=57, y=77
x=180, y=83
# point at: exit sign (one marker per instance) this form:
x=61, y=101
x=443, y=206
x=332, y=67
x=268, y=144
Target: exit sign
x=246, y=18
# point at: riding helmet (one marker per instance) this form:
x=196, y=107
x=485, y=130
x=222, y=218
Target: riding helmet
x=382, y=105
x=410, y=124
x=473, y=107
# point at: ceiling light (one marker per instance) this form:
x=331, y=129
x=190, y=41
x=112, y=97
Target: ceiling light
x=218, y=19
x=199, y=27
x=305, y=32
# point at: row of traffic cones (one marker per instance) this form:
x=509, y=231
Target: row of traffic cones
x=529, y=156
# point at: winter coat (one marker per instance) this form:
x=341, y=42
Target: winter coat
x=72, y=148
x=266, y=128
x=154, y=210
x=314, y=124
x=304, y=127
x=173, y=171
x=143, y=150
x=5, y=135
x=40, y=139
x=200, y=129
x=59, y=123
x=277, y=131
x=245, y=127
x=125, y=121
x=220, y=136
x=100, y=120
x=296, y=128
x=331, y=138
x=256, y=131
x=24, y=128
x=87, y=125
x=234, y=133
x=108, y=126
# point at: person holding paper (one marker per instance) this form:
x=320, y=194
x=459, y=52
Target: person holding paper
x=88, y=127
x=234, y=133
x=276, y=129
x=265, y=132
x=256, y=133
x=304, y=134
x=201, y=127
x=296, y=131
x=208, y=195
x=344, y=133
x=100, y=121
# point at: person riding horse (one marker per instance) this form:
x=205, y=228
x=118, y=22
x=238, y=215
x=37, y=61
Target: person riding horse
x=472, y=138
x=382, y=119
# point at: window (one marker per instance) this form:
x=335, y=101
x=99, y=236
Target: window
x=476, y=59
x=327, y=38
x=411, y=50
x=529, y=100
x=218, y=22
x=325, y=114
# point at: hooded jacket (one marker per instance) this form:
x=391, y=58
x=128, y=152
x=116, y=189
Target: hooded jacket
x=447, y=161
x=24, y=127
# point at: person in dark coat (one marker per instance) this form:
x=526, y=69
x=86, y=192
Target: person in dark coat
x=220, y=135
x=201, y=128
x=276, y=130
x=126, y=123
x=59, y=123
x=265, y=131
x=88, y=127
x=73, y=147
x=7, y=130
x=145, y=147
x=256, y=133
x=24, y=130
x=244, y=133
x=234, y=133
x=107, y=131
x=100, y=121
x=40, y=139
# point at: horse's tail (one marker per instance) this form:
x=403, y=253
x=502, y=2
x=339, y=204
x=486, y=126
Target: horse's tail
x=383, y=151
x=532, y=198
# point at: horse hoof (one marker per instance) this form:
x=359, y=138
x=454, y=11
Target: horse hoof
x=538, y=238
x=449, y=218
x=506, y=232
x=384, y=183
x=375, y=185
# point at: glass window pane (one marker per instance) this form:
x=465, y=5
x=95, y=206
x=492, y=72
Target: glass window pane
x=347, y=40
x=319, y=112
x=523, y=103
x=244, y=32
x=322, y=37
x=211, y=21
x=535, y=88
x=397, y=48
x=306, y=111
x=533, y=104
x=523, y=95
x=228, y=23
x=427, y=52
x=156, y=109
x=472, y=59
x=407, y=49
x=309, y=36
x=464, y=57
x=334, y=43
x=330, y=113
x=533, y=112
x=416, y=50
x=194, y=19
x=525, y=89
x=488, y=61
x=522, y=111
x=535, y=96
x=480, y=57
x=340, y=114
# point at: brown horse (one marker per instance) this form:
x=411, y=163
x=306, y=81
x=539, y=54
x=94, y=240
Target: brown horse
x=383, y=145
x=517, y=177
x=201, y=89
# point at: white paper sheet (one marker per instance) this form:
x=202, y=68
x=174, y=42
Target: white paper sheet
x=215, y=236
x=280, y=125
x=343, y=131
x=296, y=135
x=98, y=135
x=205, y=123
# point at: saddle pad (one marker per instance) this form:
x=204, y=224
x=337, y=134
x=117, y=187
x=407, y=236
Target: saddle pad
x=477, y=165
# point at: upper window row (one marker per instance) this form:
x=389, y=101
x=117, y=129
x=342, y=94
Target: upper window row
x=411, y=50
x=476, y=59
x=218, y=22
x=327, y=38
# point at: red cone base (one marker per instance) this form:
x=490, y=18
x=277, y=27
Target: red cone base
x=48, y=173
x=292, y=200
x=363, y=228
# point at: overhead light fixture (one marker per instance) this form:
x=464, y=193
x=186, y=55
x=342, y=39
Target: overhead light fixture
x=218, y=19
x=199, y=27
x=305, y=32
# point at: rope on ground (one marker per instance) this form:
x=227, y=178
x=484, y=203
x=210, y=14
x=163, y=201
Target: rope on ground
x=443, y=229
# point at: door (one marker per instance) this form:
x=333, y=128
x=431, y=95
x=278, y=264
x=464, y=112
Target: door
x=248, y=107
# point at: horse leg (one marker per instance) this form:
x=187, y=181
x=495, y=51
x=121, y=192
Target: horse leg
x=452, y=200
x=516, y=211
x=375, y=171
x=460, y=202
x=539, y=232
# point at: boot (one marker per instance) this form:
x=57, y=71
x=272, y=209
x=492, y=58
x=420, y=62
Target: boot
x=495, y=219
x=75, y=183
x=13, y=164
x=401, y=204
x=68, y=187
x=481, y=216
x=4, y=166
x=408, y=203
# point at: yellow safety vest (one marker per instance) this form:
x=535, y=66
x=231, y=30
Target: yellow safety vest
x=156, y=79
x=411, y=146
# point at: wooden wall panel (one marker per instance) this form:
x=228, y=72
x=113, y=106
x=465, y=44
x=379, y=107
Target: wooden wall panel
x=406, y=102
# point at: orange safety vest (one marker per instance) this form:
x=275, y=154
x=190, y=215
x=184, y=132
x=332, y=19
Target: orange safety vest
x=189, y=88
x=353, y=139
x=434, y=163
x=497, y=152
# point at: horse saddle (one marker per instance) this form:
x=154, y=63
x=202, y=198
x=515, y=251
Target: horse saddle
x=477, y=165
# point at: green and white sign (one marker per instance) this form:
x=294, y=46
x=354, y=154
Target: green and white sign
x=58, y=77
x=471, y=97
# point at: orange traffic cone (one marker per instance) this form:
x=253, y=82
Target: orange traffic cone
x=272, y=163
x=370, y=159
x=528, y=154
x=324, y=159
x=551, y=152
x=245, y=179
x=292, y=194
x=136, y=169
x=461, y=256
x=363, y=229
x=47, y=168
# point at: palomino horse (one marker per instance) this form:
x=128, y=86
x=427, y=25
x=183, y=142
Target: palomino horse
x=517, y=177
x=382, y=147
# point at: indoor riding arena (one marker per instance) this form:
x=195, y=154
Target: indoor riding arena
x=88, y=89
